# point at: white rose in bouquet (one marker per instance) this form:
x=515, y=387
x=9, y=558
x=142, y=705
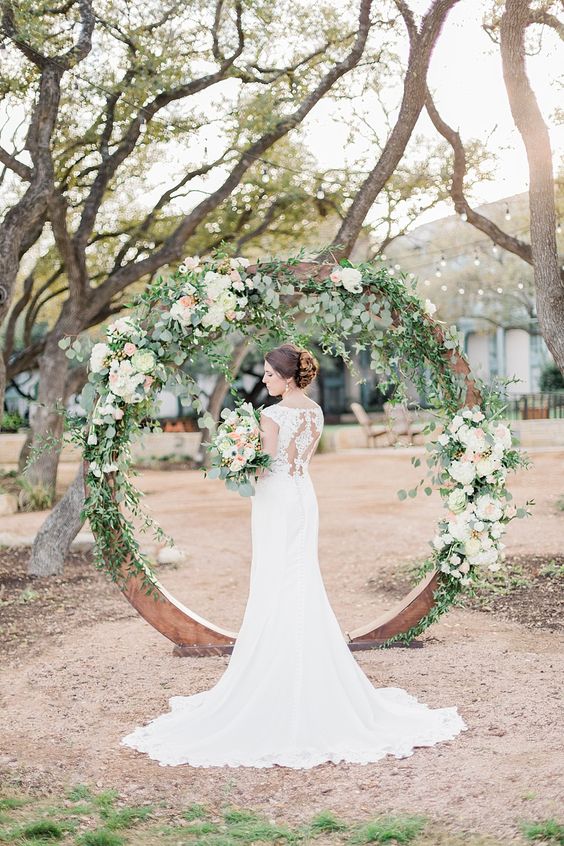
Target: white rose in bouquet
x=457, y=501
x=462, y=471
x=213, y=317
x=472, y=547
x=487, y=508
x=502, y=435
x=215, y=284
x=124, y=381
x=123, y=326
x=351, y=280
x=487, y=465
x=98, y=356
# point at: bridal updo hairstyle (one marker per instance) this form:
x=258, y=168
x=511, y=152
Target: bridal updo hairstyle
x=292, y=362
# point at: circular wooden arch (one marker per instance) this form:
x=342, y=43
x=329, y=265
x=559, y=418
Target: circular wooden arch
x=193, y=635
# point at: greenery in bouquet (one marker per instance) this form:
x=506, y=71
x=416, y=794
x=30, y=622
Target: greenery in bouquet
x=236, y=453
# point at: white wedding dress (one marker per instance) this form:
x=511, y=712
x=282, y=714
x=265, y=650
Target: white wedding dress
x=292, y=693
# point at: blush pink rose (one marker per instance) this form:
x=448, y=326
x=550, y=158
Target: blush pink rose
x=129, y=348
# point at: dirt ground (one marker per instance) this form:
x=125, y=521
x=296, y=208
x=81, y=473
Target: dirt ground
x=87, y=669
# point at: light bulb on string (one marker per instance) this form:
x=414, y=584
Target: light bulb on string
x=320, y=194
x=559, y=228
x=494, y=249
x=397, y=266
x=443, y=260
x=520, y=286
x=427, y=282
x=507, y=212
x=461, y=290
x=464, y=217
x=265, y=177
x=443, y=287
x=480, y=291
x=476, y=259
x=438, y=273
x=499, y=290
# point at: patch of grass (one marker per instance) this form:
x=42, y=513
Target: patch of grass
x=249, y=827
x=195, y=812
x=552, y=570
x=548, y=831
x=326, y=821
x=100, y=837
x=124, y=817
x=39, y=830
x=560, y=503
x=79, y=792
x=205, y=827
x=9, y=803
x=106, y=799
x=389, y=829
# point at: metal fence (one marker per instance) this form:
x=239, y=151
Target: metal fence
x=542, y=406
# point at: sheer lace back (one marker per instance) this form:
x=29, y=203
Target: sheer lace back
x=299, y=433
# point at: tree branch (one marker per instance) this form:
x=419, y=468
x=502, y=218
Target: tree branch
x=422, y=42
x=461, y=205
x=173, y=246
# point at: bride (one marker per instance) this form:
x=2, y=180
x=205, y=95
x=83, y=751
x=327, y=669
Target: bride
x=293, y=694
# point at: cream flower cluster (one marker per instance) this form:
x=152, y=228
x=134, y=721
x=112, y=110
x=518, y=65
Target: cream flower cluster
x=219, y=296
x=127, y=369
x=473, y=451
x=237, y=439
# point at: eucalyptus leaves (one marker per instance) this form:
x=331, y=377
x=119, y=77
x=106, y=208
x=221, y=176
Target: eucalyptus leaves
x=206, y=308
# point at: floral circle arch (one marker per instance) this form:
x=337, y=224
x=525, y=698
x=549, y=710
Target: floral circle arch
x=206, y=306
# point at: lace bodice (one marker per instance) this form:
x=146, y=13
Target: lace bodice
x=298, y=436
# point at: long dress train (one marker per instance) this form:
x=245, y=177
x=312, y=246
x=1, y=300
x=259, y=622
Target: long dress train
x=292, y=693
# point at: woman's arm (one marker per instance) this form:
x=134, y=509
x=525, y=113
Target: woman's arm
x=268, y=438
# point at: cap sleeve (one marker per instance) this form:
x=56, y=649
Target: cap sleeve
x=272, y=412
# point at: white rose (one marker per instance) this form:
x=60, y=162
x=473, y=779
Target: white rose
x=238, y=262
x=502, y=435
x=215, y=284
x=462, y=471
x=472, y=547
x=98, y=356
x=486, y=466
x=429, y=307
x=214, y=317
x=123, y=326
x=487, y=508
x=457, y=501
x=456, y=421
x=227, y=300
x=351, y=279
x=192, y=263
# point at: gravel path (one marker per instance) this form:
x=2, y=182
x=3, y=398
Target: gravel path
x=67, y=699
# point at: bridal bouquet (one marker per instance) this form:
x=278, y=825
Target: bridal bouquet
x=236, y=453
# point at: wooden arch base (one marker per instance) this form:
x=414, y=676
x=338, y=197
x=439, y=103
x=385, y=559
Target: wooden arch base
x=193, y=635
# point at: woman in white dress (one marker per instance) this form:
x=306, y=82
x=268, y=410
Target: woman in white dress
x=293, y=694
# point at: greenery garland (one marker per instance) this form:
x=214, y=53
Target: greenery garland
x=208, y=306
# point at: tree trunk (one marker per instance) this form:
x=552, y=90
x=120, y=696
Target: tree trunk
x=45, y=421
x=52, y=542
x=549, y=282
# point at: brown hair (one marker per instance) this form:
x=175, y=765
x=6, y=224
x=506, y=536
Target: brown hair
x=292, y=362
